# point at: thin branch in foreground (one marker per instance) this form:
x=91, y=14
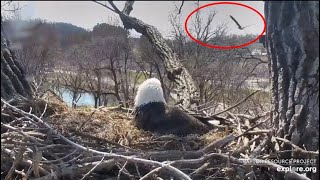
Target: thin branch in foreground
x=237, y=104
x=15, y=163
x=251, y=128
x=218, y=144
x=149, y=174
x=297, y=148
x=20, y=132
x=123, y=170
x=44, y=110
x=87, y=174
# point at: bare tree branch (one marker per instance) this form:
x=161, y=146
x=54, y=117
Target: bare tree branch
x=105, y=6
x=180, y=7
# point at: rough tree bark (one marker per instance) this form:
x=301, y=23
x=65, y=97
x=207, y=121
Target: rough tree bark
x=184, y=85
x=13, y=79
x=292, y=41
x=293, y=48
x=293, y=45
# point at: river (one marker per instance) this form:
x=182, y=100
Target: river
x=85, y=99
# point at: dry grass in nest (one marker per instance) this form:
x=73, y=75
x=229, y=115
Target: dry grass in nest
x=116, y=126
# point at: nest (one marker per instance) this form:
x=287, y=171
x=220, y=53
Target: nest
x=52, y=141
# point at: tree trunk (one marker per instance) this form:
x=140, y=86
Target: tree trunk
x=293, y=48
x=13, y=79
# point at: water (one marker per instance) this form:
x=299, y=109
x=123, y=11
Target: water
x=86, y=99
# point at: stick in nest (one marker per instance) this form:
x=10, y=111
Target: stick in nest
x=297, y=148
x=237, y=104
x=87, y=174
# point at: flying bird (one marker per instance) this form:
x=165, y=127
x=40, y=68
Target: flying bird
x=239, y=26
x=153, y=114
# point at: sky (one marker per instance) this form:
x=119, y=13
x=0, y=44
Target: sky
x=87, y=14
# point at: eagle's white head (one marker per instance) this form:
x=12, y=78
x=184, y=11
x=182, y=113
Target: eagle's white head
x=149, y=91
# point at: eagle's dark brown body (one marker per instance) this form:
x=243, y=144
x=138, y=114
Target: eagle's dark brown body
x=156, y=116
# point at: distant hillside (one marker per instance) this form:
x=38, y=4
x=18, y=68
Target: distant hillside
x=103, y=29
x=17, y=29
x=69, y=34
x=67, y=28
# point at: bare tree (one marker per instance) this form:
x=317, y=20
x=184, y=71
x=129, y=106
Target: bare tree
x=70, y=81
x=71, y=76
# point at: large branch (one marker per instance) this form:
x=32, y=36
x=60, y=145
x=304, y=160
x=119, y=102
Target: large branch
x=184, y=84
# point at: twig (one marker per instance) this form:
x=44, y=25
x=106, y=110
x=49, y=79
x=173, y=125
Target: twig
x=262, y=145
x=87, y=174
x=123, y=170
x=88, y=119
x=297, y=148
x=200, y=170
x=261, y=131
x=60, y=159
x=100, y=139
x=243, y=148
x=23, y=162
x=20, y=132
x=148, y=175
x=251, y=128
x=21, y=173
x=15, y=163
x=44, y=110
x=237, y=104
x=37, y=156
x=218, y=144
x=181, y=7
x=137, y=169
x=106, y=165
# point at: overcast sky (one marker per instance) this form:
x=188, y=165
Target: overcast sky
x=87, y=14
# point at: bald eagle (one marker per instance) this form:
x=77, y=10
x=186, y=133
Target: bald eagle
x=153, y=114
x=239, y=26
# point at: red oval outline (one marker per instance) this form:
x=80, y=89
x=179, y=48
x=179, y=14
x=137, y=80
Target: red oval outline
x=224, y=47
